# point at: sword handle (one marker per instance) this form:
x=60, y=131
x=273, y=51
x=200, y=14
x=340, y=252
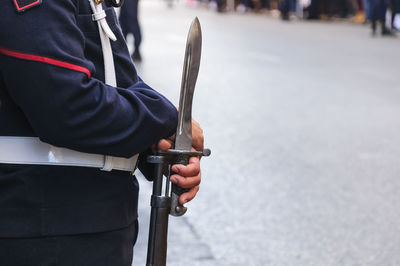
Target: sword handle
x=178, y=209
x=180, y=157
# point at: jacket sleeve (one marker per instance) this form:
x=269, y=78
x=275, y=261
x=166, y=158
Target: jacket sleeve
x=49, y=78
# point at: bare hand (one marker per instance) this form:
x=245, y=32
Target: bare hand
x=197, y=136
x=197, y=139
x=187, y=176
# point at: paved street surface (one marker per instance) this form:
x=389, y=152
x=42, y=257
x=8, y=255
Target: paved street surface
x=303, y=122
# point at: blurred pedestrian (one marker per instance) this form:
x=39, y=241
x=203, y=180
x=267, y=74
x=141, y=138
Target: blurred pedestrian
x=378, y=14
x=314, y=9
x=266, y=4
x=343, y=8
x=326, y=7
x=285, y=7
x=256, y=5
x=245, y=5
x=129, y=22
x=367, y=10
x=395, y=10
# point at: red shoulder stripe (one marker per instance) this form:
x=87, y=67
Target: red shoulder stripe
x=24, y=6
x=46, y=60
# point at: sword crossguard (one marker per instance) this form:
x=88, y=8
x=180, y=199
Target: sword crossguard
x=205, y=152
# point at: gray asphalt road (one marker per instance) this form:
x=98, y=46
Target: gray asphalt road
x=303, y=121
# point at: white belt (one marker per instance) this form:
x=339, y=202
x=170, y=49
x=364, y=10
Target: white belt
x=30, y=150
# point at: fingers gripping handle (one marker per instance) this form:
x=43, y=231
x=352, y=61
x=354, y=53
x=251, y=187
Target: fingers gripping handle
x=180, y=157
x=178, y=209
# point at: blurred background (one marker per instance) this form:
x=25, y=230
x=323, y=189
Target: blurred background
x=300, y=105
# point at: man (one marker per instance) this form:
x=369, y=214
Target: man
x=130, y=25
x=58, y=116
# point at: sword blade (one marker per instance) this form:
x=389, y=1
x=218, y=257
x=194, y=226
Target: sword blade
x=183, y=140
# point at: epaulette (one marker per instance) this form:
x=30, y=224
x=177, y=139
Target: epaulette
x=22, y=5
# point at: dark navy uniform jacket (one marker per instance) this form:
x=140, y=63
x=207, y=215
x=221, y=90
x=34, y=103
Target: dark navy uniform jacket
x=52, y=86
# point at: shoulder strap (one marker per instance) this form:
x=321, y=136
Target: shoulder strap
x=109, y=70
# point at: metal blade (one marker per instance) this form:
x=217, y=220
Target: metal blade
x=183, y=140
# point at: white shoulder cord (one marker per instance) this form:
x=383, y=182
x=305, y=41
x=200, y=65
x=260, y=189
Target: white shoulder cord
x=109, y=71
x=105, y=35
